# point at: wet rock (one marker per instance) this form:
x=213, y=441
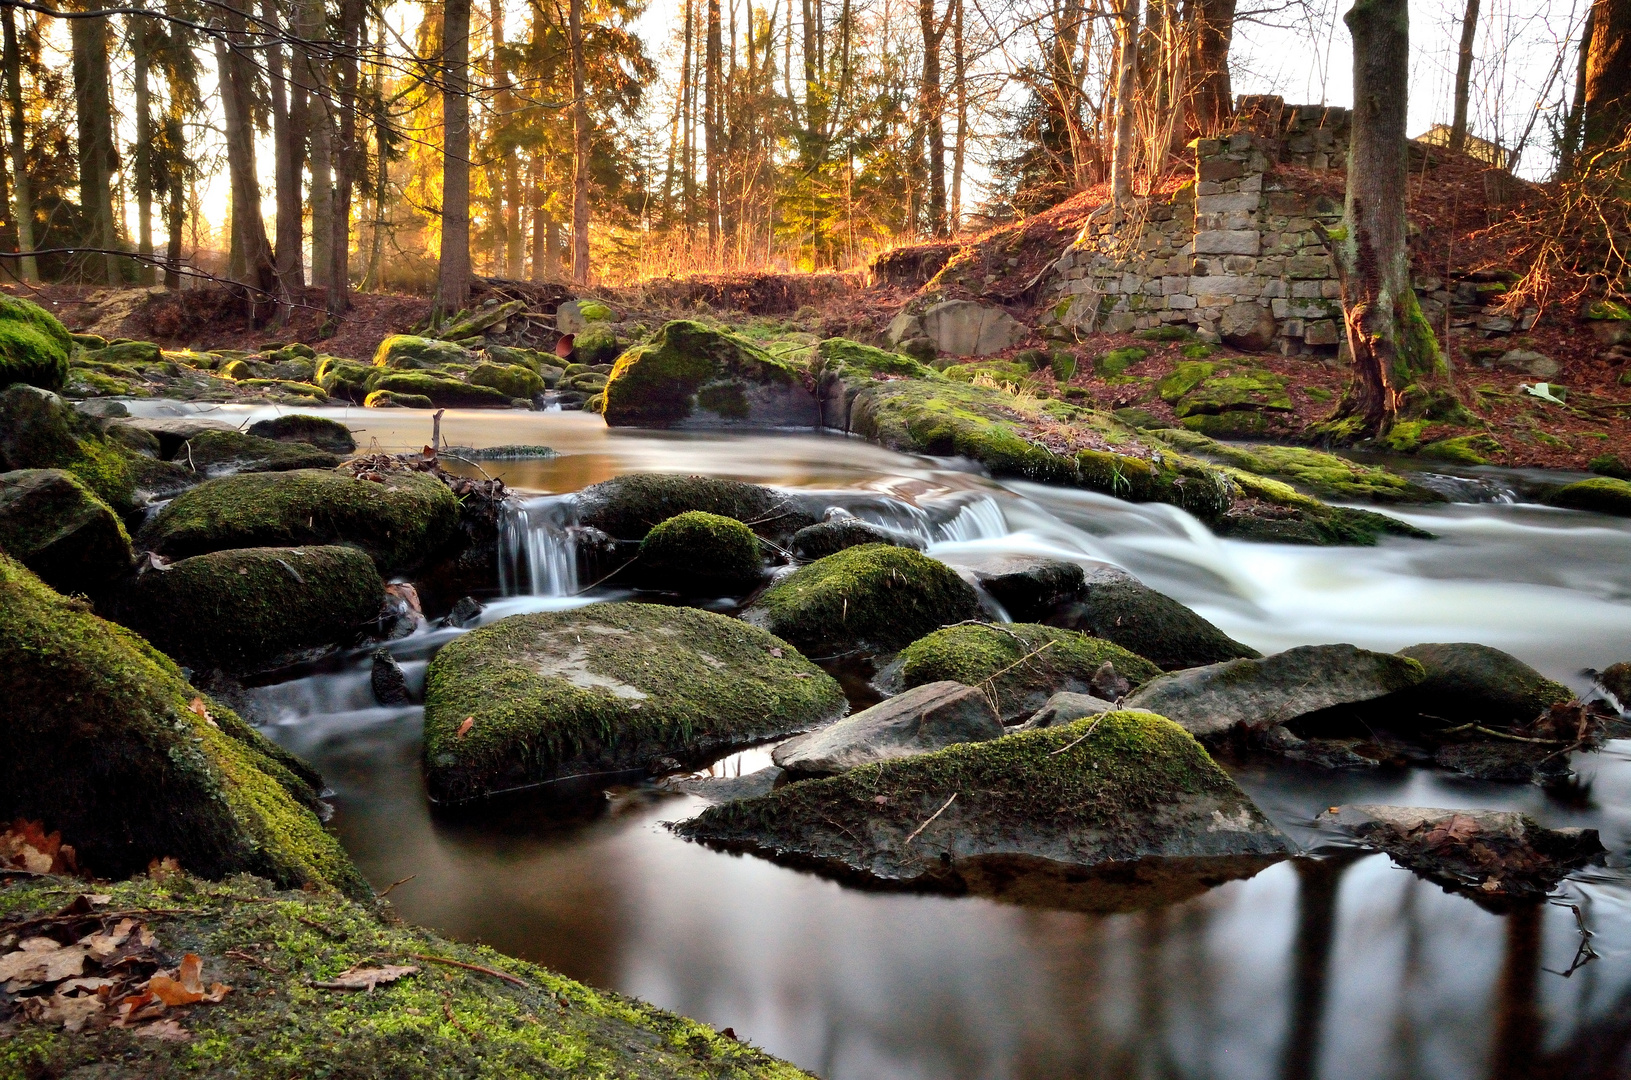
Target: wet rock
x=102, y=409
x=700, y=554
x=246, y=609
x=172, y=432
x=1326, y=753
x=387, y=680
x=34, y=346
x=689, y=375
x=873, y=598
x=1254, y=695
x=400, y=615
x=1067, y=707
x=482, y=319
x=444, y=391
x=1470, y=683
x=58, y=528
x=596, y=344
x=405, y=352
x=38, y=430
x=1022, y=665
x=227, y=453
x=835, y=534
x=628, y=506
x=1029, y=587
x=1118, y=607
x=1615, y=680
x=1530, y=362
x=318, y=431
x=465, y=614
x=964, y=328
x=720, y=789
x=385, y=399
x=921, y=720
x=1500, y=760
x=575, y=315
x=1496, y=852
x=1114, y=789
x=1602, y=495
x=608, y=688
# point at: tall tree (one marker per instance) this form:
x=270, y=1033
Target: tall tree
x=1463, y=76
x=93, y=106
x=712, y=107
x=453, y=277
x=348, y=153
x=932, y=109
x=21, y=192
x=506, y=105
x=140, y=35
x=580, y=145
x=1608, y=76
x=237, y=75
x=288, y=98
x=1212, y=99
x=320, y=128
x=1121, y=163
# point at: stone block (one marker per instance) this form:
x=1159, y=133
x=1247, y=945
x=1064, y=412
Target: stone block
x=1230, y=219
x=1120, y=322
x=1292, y=328
x=1239, y=264
x=1305, y=290
x=1217, y=204
x=1309, y=266
x=1171, y=285
x=1313, y=309
x=1322, y=332
x=1331, y=289
x=1207, y=187
x=1287, y=202
x=1219, y=169
x=1274, y=288
x=1252, y=184
x=1180, y=302
x=1247, y=326
x=1228, y=242
x=1130, y=283
x=1280, y=308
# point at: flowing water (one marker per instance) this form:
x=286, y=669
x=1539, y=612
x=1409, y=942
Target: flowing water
x=1338, y=966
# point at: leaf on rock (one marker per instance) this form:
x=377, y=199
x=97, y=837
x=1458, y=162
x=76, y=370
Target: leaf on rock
x=202, y=712
x=464, y=728
x=168, y=1030
x=366, y=978
x=25, y=845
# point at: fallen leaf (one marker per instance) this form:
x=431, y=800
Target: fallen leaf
x=25, y=845
x=464, y=728
x=191, y=973
x=41, y=960
x=168, y=1030
x=91, y=984
x=172, y=992
x=777, y=653
x=159, y=869
x=216, y=992
x=198, y=708
x=366, y=978
x=70, y=1012
x=105, y=943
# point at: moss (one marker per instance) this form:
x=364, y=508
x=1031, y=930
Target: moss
x=316, y=394
x=221, y=453
x=1019, y=664
x=659, y=383
x=319, y=431
x=628, y=506
x=347, y=379
x=87, y=384
x=34, y=346
x=444, y=392
x=1240, y=424
x=1169, y=332
x=89, y=341
x=39, y=431
x=593, y=311
x=1603, y=495
x=1474, y=683
x=1063, y=365
x=59, y=529
x=1117, y=361
x=236, y=370
x=1314, y=471
x=243, y=609
x=1607, y=309
x=508, y=356
x=1611, y=465
x=1198, y=350
x=1182, y=379
x=128, y=352
x=595, y=344
x=594, y=382
x=1463, y=449
x=873, y=596
x=400, y=522
x=407, y=352
x=511, y=380
x=649, y=682
x=701, y=554
x=134, y=773
x=1230, y=393
x=385, y=399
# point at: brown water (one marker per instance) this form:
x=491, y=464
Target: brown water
x=1336, y=965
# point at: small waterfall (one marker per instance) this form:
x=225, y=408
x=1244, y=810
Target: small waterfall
x=980, y=519
x=538, y=553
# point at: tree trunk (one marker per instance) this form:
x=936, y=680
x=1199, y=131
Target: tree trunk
x=580, y=147
x=1393, y=347
x=535, y=191
x=144, y=148
x=712, y=104
x=1608, y=76
x=287, y=141
x=931, y=115
x=347, y=156
x=1121, y=165
x=175, y=217
x=515, y=237
x=1463, y=76
x=1577, y=109
x=94, y=114
x=237, y=76
x=374, y=278
x=22, y=189
x=453, y=279
x=960, y=143
x=320, y=122
x=1213, y=97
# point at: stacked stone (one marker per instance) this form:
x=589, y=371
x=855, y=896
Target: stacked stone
x=1106, y=283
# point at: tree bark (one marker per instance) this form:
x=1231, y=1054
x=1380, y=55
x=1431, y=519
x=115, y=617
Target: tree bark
x=143, y=179
x=320, y=124
x=1577, y=109
x=22, y=188
x=535, y=190
x=94, y=115
x=287, y=140
x=1213, y=98
x=453, y=279
x=959, y=77
x=249, y=230
x=1463, y=76
x=1121, y=164
x=1608, y=76
x=347, y=155
x=1393, y=347
x=515, y=237
x=712, y=106
x=580, y=146
x=931, y=112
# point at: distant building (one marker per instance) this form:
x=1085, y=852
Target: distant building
x=1482, y=149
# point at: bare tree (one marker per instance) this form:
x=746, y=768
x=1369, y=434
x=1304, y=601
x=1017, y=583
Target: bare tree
x=1463, y=76
x=453, y=277
x=580, y=145
x=94, y=114
x=1121, y=165
x=1608, y=76
x=22, y=192
x=143, y=180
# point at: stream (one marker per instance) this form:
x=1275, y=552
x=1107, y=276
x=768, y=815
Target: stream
x=1336, y=967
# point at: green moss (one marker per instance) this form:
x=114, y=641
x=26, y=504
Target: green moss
x=660, y=382
x=89, y=341
x=1240, y=424
x=1602, y=495
x=511, y=380
x=1182, y=379
x=401, y=522
x=1063, y=365
x=873, y=596
x=1198, y=350
x=1019, y=664
x=236, y=370
x=134, y=774
x=316, y=394
x=530, y=359
x=1119, y=360
x=606, y=688
x=628, y=506
x=347, y=379
x=34, y=346
x=595, y=344
x=1463, y=449
x=444, y=392
x=1611, y=465
x=593, y=311
x=407, y=352
x=385, y=399
x=59, y=529
x=701, y=554
x=221, y=453
x=87, y=384
x=1611, y=310
x=1314, y=471
x=1230, y=393
x=319, y=431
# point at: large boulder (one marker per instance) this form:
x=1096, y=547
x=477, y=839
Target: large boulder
x=58, y=528
x=574, y=316
x=701, y=554
x=34, y=346
x=1118, y=607
x=1255, y=695
x=835, y=534
x=38, y=430
x=1602, y=495
x=318, y=431
x=1029, y=587
x=689, y=375
x=106, y=742
x=1022, y=665
x=226, y=453
x=964, y=328
x=1121, y=787
x=923, y=719
x=605, y=689
x=400, y=521
x=1470, y=683
x=629, y=506
x=874, y=598
x=444, y=391
x=170, y=432
x=405, y=352
x=511, y=380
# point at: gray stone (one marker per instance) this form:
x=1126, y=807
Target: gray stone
x=173, y=431
x=1228, y=242
x=102, y=408
x=835, y=534
x=1255, y=695
x=570, y=317
x=905, y=326
x=1119, y=608
x=964, y=328
x=1217, y=204
x=1537, y=364
x=1321, y=332
x=923, y=719
x=1247, y=326
x=1468, y=682
x=1067, y=708
x=1029, y=587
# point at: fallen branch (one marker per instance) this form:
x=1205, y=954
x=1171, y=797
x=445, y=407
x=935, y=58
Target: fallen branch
x=1090, y=729
x=916, y=832
x=473, y=967
x=394, y=884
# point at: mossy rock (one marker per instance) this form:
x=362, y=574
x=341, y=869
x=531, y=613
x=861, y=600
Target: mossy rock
x=1314, y=471
x=1182, y=379
x=88, y=341
x=58, y=528
x=608, y=688
x=1140, y=418
x=1240, y=424
x=1169, y=332
x=511, y=356
x=1119, y=608
x=402, y=521
x=1198, y=350
x=34, y=346
x=1602, y=495
x=444, y=392
x=1462, y=449
x=1019, y=665
x=1063, y=365
x=236, y=370
x=38, y=430
x=295, y=351
x=1611, y=465
x=690, y=375
x=627, y=507
x=1113, y=789
x=223, y=453
x=595, y=344
x=405, y=352
x=348, y=379
x=836, y=534
x=1251, y=390
x=244, y=609
x=701, y=554
x=1117, y=361
x=1471, y=683
x=512, y=380
x=311, y=392
x=101, y=743
x=91, y=384
x=385, y=399
x=837, y=357
x=318, y=431
x=128, y=352
x=870, y=598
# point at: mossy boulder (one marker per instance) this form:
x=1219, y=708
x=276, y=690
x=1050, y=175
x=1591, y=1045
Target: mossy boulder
x=699, y=554
x=347, y=379
x=608, y=688
x=224, y=453
x=1118, y=607
x=444, y=392
x=318, y=431
x=834, y=535
x=128, y=353
x=870, y=598
x=512, y=380
x=508, y=356
x=596, y=344
x=102, y=742
x=401, y=522
x=1118, y=788
x=1471, y=683
x=58, y=528
x=1199, y=387
x=1314, y=471
x=408, y=353
x=629, y=506
x=385, y=399
x=1019, y=665
x=1603, y=495
x=690, y=375
x=34, y=346
x=244, y=609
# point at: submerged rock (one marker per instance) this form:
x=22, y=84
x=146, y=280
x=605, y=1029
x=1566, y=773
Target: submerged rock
x=1494, y=759
x=109, y=744
x=227, y=453
x=609, y=688
x=318, y=431
x=699, y=554
x=835, y=534
x=629, y=506
x=689, y=375
x=34, y=346
x=1470, y=683
x=1118, y=788
x=1255, y=695
x=921, y=720
x=59, y=529
x=870, y=598
x=1118, y=607
x=1020, y=665
x=387, y=680
x=1029, y=588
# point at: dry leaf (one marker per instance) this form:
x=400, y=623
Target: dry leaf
x=198, y=708
x=168, y=1030
x=41, y=960
x=90, y=984
x=464, y=728
x=159, y=869
x=105, y=943
x=171, y=992
x=191, y=973
x=366, y=978
x=25, y=845
x=777, y=653
x=70, y=1012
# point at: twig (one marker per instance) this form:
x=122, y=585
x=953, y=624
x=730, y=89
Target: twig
x=1585, y=954
x=1516, y=738
x=334, y=934
x=472, y=967
x=1090, y=729
x=249, y=958
x=447, y=1011
x=85, y=915
x=400, y=881
x=926, y=824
